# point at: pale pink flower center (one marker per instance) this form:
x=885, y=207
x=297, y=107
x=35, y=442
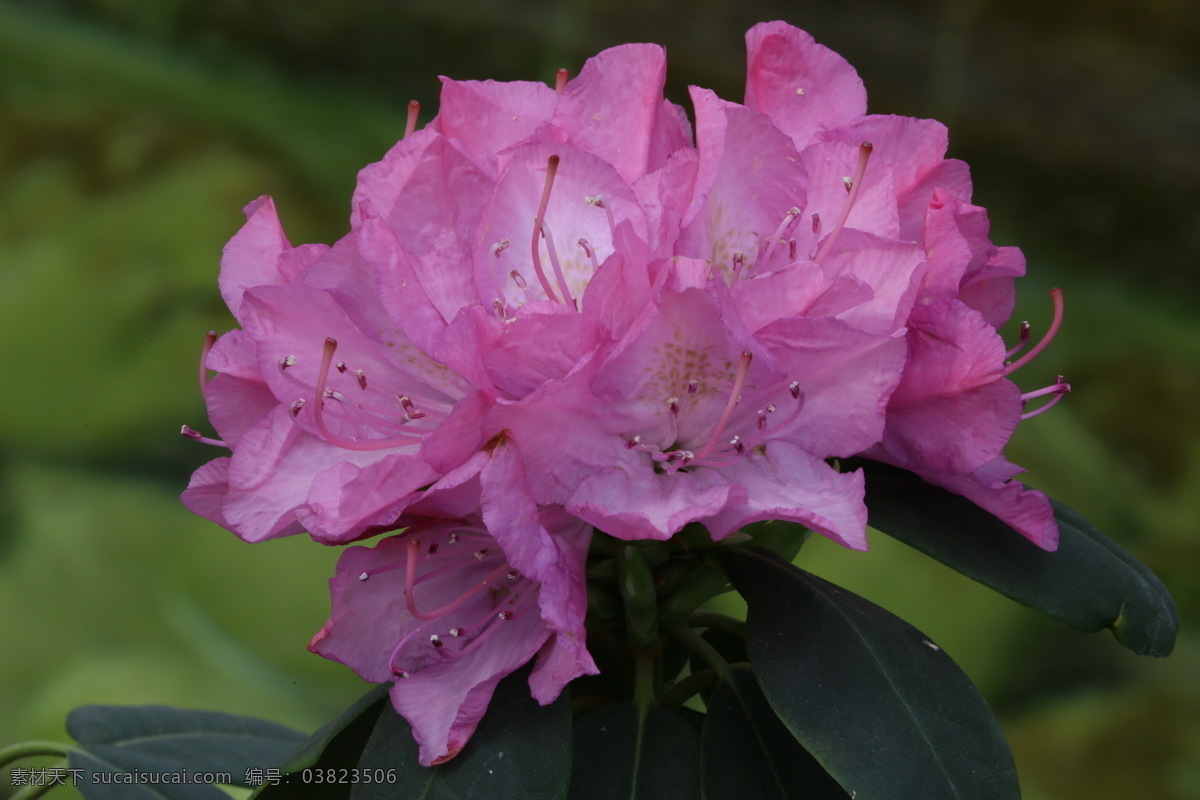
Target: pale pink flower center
x=672, y=455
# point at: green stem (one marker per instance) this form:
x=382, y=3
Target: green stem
x=711, y=619
x=691, y=685
x=643, y=677
x=695, y=642
x=29, y=749
x=31, y=792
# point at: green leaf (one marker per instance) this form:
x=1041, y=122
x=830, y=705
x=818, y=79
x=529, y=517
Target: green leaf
x=164, y=744
x=96, y=770
x=337, y=745
x=520, y=750
x=622, y=753
x=749, y=752
x=1089, y=582
x=882, y=708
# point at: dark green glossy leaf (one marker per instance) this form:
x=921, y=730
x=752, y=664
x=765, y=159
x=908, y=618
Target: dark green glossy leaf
x=621, y=754
x=1089, y=582
x=881, y=707
x=749, y=752
x=337, y=745
x=161, y=749
x=520, y=750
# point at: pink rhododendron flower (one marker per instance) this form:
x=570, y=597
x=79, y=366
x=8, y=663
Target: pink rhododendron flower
x=556, y=309
x=480, y=582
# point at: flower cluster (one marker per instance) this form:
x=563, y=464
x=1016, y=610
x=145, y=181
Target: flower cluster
x=559, y=310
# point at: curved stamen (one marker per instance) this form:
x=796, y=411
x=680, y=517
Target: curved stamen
x=816, y=229
x=551, y=169
x=1058, y=387
x=1022, y=340
x=673, y=419
x=410, y=572
x=414, y=108
x=855, y=183
x=597, y=201
x=1058, y=390
x=1056, y=296
x=383, y=413
x=210, y=339
x=591, y=253
x=319, y=417
x=195, y=435
x=788, y=219
x=734, y=396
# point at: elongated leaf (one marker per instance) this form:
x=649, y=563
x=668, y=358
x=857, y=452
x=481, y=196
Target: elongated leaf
x=105, y=780
x=519, y=751
x=347, y=732
x=336, y=746
x=159, y=751
x=881, y=707
x=1089, y=582
x=749, y=752
x=621, y=754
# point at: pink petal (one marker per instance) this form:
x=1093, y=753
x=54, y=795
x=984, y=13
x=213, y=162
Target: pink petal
x=489, y=116
x=845, y=377
x=433, y=197
x=802, y=86
x=615, y=110
x=570, y=216
x=749, y=177
x=637, y=503
x=208, y=485
x=953, y=410
x=894, y=270
x=788, y=483
x=250, y=258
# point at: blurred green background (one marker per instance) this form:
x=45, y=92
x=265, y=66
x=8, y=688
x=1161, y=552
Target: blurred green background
x=133, y=131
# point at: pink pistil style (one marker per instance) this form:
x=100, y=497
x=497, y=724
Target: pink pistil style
x=734, y=396
x=853, y=185
x=1056, y=296
x=319, y=414
x=560, y=80
x=551, y=169
x=414, y=108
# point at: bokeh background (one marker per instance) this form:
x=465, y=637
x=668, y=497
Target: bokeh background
x=133, y=131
